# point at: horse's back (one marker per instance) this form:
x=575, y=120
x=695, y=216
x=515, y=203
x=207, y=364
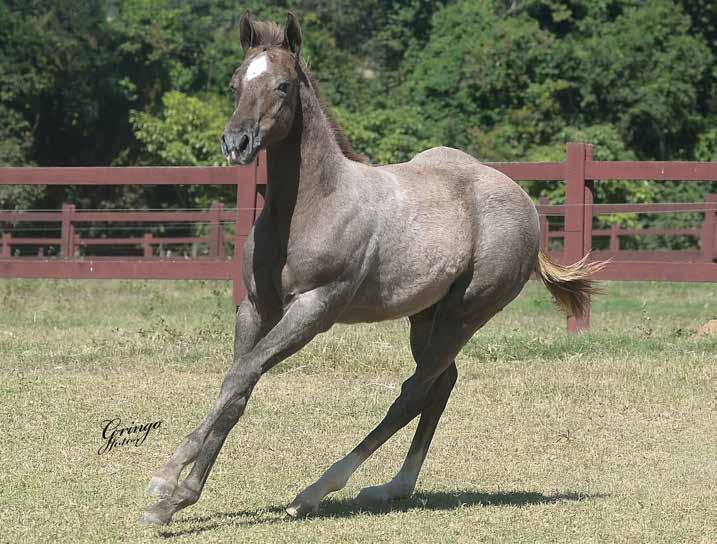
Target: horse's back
x=457, y=167
x=442, y=173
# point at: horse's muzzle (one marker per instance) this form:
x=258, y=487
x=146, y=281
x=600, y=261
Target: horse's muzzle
x=242, y=146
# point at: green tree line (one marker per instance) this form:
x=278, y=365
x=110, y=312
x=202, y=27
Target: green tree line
x=145, y=82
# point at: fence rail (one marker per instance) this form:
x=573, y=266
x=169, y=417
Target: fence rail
x=578, y=171
x=706, y=253
x=216, y=218
x=70, y=240
x=247, y=179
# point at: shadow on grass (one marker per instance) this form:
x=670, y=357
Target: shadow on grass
x=430, y=500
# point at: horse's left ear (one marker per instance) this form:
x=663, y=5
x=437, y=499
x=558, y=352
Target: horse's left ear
x=247, y=32
x=292, y=34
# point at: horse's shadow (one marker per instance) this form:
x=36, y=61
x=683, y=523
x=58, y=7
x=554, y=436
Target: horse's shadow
x=342, y=508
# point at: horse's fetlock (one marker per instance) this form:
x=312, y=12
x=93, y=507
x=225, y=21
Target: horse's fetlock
x=185, y=496
x=401, y=488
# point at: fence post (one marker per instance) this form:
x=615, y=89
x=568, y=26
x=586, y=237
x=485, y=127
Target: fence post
x=147, y=244
x=74, y=240
x=588, y=203
x=544, y=225
x=578, y=204
x=215, y=229
x=708, y=234
x=246, y=204
x=66, y=244
x=6, y=245
x=614, y=239
x=220, y=242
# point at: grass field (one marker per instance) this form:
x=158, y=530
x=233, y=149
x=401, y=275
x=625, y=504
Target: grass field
x=602, y=437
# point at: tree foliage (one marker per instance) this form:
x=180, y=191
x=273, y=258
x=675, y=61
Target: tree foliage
x=95, y=82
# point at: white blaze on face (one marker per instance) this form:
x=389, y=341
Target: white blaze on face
x=257, y=67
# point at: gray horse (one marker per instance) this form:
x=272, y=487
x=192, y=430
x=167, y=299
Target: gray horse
x=441, y=239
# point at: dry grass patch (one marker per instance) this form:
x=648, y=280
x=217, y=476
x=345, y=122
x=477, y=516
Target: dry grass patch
x=605, y=437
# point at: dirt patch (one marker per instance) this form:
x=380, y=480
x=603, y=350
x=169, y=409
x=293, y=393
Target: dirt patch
x=708, y=329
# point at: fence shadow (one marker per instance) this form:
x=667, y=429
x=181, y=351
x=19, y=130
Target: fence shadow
x=343, y=508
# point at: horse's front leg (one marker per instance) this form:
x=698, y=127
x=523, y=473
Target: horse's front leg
x=251, y=326
x=309, y=314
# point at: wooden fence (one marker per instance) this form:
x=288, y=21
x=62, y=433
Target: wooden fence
x=615, y=252
x=578, y=171
x=250, y=182
x=70, y=243
x=151, y=246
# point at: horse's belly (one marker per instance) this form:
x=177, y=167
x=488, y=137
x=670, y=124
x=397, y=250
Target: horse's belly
x=365, y=310
x=407, y=292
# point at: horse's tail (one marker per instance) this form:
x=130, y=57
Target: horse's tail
x=570, y=285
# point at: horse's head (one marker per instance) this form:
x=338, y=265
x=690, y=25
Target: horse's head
x=265, y=87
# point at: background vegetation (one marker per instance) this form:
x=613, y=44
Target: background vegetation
x=144, y=82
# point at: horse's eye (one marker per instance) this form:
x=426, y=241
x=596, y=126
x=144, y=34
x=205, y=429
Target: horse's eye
x=283, y=87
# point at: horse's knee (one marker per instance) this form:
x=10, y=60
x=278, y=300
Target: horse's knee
x=229, y=417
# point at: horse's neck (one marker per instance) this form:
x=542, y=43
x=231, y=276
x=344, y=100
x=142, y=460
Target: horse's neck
x=305, y=166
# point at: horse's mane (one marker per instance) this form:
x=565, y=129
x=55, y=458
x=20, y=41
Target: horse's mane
x=269, y=34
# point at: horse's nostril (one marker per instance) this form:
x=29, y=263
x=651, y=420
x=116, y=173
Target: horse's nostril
x=243, y=143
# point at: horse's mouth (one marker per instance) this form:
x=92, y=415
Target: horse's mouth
x=234, y=157
x=240, y=150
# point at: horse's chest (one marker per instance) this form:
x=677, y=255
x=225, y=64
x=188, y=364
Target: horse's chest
x=291, y=267
x=306, y=267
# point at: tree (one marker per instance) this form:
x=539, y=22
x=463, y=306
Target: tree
x=95, y=82
x=185, y=133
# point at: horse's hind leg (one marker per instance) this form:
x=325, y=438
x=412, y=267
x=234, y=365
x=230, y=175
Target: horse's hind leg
x=443, y=340
x=403, y=484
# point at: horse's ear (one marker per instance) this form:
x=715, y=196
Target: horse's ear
x=292, y=34
x=247, y=33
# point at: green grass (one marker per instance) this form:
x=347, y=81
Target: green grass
x=601, y=437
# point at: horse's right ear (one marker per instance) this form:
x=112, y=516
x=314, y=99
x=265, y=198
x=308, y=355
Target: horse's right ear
x=292, y=33
x=247, y=33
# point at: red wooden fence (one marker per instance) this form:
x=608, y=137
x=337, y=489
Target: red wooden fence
x=578, y=171
x=706, y=253
x=248, y=180
x=70, y=241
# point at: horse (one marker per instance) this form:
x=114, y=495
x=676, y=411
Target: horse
x=441, y=239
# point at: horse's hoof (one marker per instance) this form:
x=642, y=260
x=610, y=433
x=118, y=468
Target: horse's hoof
x=381, y=494
x=159, y=487
x=373, y=495
x=151, y=519
x=156, y=515
x=299, y=509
